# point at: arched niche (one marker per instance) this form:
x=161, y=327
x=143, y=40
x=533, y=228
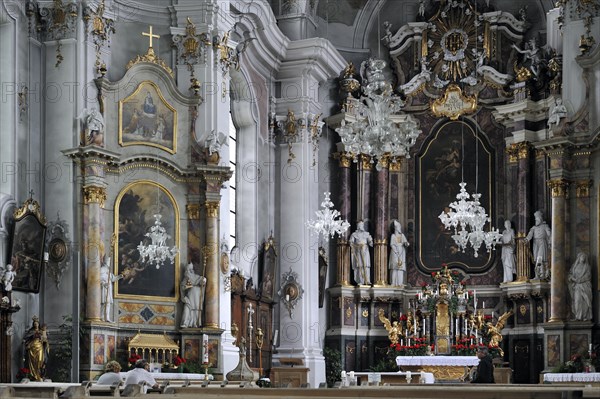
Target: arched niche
x=454, y=151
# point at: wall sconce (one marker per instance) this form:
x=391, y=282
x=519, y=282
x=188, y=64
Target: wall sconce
x=291, y=291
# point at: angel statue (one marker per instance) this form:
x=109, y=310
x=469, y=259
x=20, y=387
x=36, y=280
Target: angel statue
x=494, y=330
x=476, y=321
x=394, y=329
x=412, y=324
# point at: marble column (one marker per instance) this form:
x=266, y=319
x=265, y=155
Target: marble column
x=582, y=216
x=398, y=204
x=524, y=211
x=94, y=197
x=381, y=223
x=559, y=270
x=211, y=255
x=343, y=248
x=364, y=170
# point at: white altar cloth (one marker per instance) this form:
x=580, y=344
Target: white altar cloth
x=572, y=377
x=437, y=361
x=422, y=377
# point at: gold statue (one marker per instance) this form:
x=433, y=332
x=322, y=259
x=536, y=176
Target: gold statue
x=349, y=71
x=394, y=329
x=494, y=330
x=38, y=349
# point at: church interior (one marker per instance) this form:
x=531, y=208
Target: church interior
x=298, y=190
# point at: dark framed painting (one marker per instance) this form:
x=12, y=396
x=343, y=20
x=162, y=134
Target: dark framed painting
x=27, y=249
x=454, y=152
x=146, y=118
x=135, y=208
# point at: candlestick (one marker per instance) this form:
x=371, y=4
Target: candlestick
x=205, y=347
x=483, y=305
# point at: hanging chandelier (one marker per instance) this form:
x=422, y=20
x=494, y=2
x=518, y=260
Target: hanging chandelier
x=328, y=222
x=467, y=218
x=374, y=126
x=157, y=252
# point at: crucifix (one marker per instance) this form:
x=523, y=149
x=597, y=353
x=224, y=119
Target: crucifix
x=150, y=35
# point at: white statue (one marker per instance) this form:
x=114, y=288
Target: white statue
x=509, y=261
x=541, y=236
x=532, y=54
x=8, y=277
x=360, y=241
x=558, y=112
x=93, y=122
x=397, y=261
x=214, y=142
x=107, y=278
x=580, y=286
x=192, y=295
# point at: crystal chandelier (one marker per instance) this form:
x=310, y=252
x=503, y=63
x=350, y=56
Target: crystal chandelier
x=467, y=219
x=375, y=128
x=328, y=222
x=157, y=252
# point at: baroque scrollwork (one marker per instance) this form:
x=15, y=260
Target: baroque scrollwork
x=58, y=247
x=100, y=28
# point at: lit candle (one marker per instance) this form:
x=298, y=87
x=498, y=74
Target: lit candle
x=205, y=348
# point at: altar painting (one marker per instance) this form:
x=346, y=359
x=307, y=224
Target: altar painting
x=146, y=118
x=446, y=156
x=135, y=208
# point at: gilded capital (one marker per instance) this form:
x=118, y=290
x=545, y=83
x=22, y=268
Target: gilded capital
x=512, y=152
x=345, y=159
x=558, y=187
x=396, y=164
x=365, y=162
x=384, y=161
x=94, y=194
x=523, y=150
x=582, y=189
x=212, y=209
x=193, y=211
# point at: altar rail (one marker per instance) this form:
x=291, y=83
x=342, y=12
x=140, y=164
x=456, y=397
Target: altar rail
x=450, y=391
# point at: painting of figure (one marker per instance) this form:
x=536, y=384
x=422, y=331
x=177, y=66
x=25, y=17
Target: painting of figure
x=146, y=118
x=135, y=209
x=453, y=153
x=27, y=253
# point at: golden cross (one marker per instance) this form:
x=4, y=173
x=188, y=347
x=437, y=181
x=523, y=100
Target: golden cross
x=150, y=35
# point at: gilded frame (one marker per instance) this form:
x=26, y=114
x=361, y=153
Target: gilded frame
x=146, y=193
x=27, y=249
x=148, y=123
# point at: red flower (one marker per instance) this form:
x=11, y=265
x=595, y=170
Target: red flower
x=178, y=360
x=134, y=358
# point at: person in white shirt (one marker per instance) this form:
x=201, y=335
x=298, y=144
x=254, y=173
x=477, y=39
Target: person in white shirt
x=111, y=374
x=140, y=373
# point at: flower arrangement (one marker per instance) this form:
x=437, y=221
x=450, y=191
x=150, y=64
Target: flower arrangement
x=468, y=347
x=133, y=358
x=178, y=361
x=417, y=347
x=23, y=373
x=579, y=363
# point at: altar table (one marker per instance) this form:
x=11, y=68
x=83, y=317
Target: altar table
x=445, y=368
